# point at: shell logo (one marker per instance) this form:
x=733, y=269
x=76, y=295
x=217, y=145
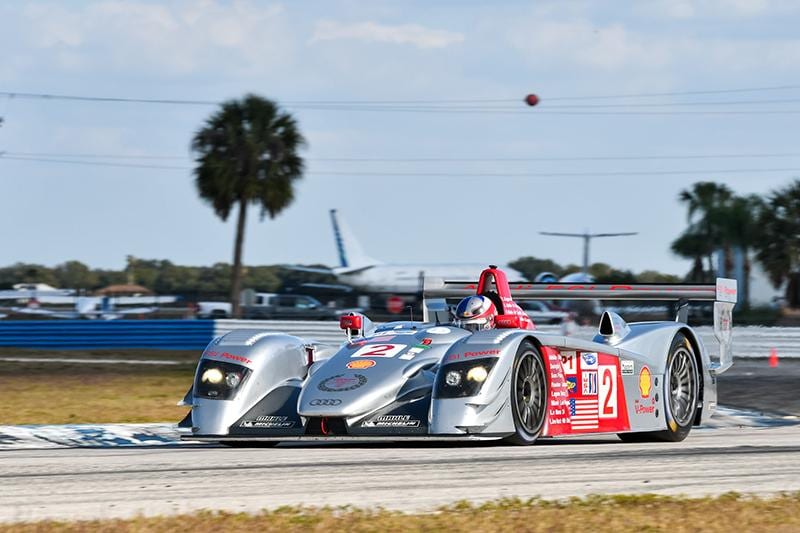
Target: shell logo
x=645, y=382
x=361, y=364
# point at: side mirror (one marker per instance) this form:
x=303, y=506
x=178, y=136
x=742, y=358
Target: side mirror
x=354, y=324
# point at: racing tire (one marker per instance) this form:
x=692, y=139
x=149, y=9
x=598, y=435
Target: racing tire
x=529, y=393
x=681, y=391
x=249, y=443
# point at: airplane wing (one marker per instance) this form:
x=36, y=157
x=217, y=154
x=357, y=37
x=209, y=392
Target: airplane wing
x=313, y=270
x=45, y=312
x=144, y=300
x=131, y=311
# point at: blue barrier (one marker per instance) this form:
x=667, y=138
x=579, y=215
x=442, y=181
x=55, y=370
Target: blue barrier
x=87, y=334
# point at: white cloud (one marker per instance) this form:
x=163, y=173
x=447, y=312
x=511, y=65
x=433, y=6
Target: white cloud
x=181, y=37
x=617, y=48
x=413, y=34
x=689, y=9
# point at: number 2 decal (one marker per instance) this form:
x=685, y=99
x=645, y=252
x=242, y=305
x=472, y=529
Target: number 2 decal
x=608, y=391
x=379, y=350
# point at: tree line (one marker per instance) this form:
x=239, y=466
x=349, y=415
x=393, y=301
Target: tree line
x=764, y=227
x=160, y=276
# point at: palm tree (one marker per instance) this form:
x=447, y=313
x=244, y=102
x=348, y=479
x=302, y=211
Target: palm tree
x=707, y=199
x=778, y=248
x=741, y=229
x=695, y=246
x=246, y=153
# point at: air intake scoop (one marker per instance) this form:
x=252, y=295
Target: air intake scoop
x=613, y=328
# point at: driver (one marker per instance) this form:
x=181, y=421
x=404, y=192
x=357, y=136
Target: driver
x=475, y=313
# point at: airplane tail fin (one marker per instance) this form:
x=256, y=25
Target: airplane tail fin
x=351, y=255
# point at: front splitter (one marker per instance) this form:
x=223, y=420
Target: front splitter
x=341, y=438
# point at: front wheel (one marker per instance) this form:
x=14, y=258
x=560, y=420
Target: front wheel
x=528, y=394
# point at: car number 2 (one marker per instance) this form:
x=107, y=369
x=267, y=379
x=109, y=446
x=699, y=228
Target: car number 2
x=608, y=391
x=379, y=350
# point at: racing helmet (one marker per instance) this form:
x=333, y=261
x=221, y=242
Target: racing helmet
x=475, y=313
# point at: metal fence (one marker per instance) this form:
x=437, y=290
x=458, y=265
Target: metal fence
x=88, y=334
x=196, y=334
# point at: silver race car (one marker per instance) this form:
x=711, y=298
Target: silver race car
x=440, y=379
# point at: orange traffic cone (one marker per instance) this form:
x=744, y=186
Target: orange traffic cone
x=773, y=358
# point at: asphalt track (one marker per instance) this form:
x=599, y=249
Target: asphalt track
x=75, y=483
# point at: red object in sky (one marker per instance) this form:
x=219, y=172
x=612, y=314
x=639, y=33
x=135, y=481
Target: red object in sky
x=395, y=304
x=531, y=99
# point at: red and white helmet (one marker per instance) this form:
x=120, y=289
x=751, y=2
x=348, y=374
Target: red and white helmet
x=475, y=313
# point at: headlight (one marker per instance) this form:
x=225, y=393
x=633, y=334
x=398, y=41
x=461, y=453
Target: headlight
x=453, y=378
x=462, y=379
x=477, y=373
x=232, y=379
x=212, y=375
x=219, y=380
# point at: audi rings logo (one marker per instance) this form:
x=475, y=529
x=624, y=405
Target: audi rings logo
x=325, y=401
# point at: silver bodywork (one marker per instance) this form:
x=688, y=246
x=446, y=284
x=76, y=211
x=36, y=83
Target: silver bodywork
x=294, y=383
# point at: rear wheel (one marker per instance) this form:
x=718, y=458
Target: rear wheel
x=681, y=391
x=528, y=394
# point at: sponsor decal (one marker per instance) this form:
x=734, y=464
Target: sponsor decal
x=607, y=389
x=642, y=409
x=438, y=330
x=362, y=342
x=379, y=350
x=342, y=383
x=226, y=355
x=325, y=401
x=268, y=422
x=572, y=385
x=412, y=352
x=589, y=383
x=583, y=413
x=361, y=364
x=391, y=421
x=467, y=355
x=589, y=361
x=426, y=341
x=569, y=362
x=627, y=367
x=645, y=382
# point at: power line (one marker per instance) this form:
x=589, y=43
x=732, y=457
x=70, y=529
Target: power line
x=182, y=101
x=442, y=174
x=451, y=159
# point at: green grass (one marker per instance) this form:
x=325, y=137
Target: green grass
x=74, y=393
x=730, y=512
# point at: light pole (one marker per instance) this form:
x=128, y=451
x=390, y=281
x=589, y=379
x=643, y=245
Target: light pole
x=587, y=237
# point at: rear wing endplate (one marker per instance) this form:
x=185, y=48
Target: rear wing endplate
x=723, y=294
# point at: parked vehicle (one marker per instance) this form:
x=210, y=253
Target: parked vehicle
x=541, y=313
x=265, y=305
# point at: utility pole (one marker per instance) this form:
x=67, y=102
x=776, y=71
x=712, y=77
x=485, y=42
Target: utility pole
x=587, y=237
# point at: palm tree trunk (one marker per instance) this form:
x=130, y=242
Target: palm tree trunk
x=236, y=274
x=728, y=256
x=697, y=271
x=747, y=267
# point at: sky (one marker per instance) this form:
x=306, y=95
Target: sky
x=470, y=174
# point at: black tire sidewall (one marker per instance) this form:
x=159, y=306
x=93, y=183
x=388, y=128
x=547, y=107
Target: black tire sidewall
x=680, y=431
x=521, y=435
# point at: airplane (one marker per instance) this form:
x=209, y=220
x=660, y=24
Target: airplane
x=92, y=307
x=358, y=269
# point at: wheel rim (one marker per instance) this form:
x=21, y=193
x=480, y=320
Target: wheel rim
x=530, y=392
x=682, y=386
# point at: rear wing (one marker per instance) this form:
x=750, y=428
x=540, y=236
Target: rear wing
x=723, y=294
